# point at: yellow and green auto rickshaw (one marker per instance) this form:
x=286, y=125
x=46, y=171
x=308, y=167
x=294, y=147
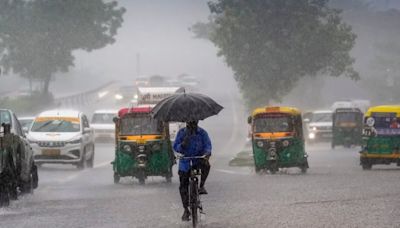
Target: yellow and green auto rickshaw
x=347, y=126
x=277, y=139
x=143, y=147
x=381, y=136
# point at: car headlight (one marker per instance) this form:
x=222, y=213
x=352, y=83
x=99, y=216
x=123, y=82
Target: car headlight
x=313, y=128
x=285, y=143
x=311, y=136
x=76, y=141
x=156, y=146
x=260, y=143
x=126, y=148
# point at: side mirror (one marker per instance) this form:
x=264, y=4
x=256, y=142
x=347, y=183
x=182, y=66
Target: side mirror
x=115, y=119
x=87, y=130
x=249, y=120
x=25, y=129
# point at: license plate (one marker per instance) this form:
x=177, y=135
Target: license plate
x=51, y=152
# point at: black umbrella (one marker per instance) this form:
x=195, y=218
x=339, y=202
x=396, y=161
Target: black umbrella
x=185, y=107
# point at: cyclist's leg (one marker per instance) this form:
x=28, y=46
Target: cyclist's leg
x=205, y=170
x=184, y=188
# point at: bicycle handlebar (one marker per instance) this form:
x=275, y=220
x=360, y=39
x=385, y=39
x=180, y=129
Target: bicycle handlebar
x=191, y=158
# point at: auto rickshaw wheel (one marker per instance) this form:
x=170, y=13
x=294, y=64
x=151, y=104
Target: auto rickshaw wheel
x=303, y=168
x=367, y=166
x=142, y=177
x=116, y=178
x=142, y=181
x=273, y=168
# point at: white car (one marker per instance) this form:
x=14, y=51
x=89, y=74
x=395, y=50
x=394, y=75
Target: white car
x=320, y=126
x=103, y=124
x=62, y=136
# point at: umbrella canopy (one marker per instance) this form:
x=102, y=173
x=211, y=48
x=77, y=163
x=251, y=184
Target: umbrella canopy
x=185, y=107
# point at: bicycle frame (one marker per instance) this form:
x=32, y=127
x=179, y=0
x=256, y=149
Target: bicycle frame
x=194, y=196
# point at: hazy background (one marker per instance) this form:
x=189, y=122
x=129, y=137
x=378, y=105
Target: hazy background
x=158, y=32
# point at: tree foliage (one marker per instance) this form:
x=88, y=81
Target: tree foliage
x=37, y=37
x=271, y=44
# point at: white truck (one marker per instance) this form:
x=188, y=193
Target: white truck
x=152, y=95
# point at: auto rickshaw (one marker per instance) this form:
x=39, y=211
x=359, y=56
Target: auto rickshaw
x=277, y=139
x=346, y=127
x=143, y=146
x=381, y=136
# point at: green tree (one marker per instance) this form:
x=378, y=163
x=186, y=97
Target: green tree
x=37, y=37
x=271, y=44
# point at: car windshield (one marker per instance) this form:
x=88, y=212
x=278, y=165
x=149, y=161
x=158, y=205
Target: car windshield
x=273, y=124
x=5, y=117
x=321, y=117
x=55, y=125
x=103, y=118
x=139, y=125
x=388, y=121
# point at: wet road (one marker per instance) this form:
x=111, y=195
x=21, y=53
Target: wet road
x=334, y=193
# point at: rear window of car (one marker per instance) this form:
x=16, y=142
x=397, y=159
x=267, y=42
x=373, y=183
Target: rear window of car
x=103, y=118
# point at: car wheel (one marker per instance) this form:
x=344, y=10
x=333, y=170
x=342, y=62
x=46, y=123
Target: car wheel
x=4, y=195
x=35, y=176
x=82, y=163
x=90, y=162
x=27, y=186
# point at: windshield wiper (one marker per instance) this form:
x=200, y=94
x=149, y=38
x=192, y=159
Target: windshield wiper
x=44, y=125
x=59, y=124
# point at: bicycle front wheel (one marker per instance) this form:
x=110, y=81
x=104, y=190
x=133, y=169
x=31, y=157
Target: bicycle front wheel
x=194, y=202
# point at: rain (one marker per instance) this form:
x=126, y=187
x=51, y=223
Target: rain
x=296, y=101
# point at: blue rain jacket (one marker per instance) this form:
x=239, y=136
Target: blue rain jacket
x=199, y=144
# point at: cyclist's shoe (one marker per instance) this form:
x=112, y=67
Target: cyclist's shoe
x=203, y=191
x=186, y=215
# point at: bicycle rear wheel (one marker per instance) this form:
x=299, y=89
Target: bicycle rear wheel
x=194, y=202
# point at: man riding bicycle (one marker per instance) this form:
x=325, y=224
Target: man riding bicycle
x=192, y=141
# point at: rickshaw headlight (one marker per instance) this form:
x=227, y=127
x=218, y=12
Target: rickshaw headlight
x=156, y=146
x=260, y=143
x=285, y=143
x=370, y=121
x=311, y=136
x=127, y=148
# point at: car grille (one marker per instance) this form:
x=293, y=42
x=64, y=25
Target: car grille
x=61, y=157
x=51, y=144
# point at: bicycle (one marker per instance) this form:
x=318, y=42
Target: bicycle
x=195, y=205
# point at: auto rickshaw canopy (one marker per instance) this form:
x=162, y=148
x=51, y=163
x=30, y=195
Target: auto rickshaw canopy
x=384, y=108
x=276, y=109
